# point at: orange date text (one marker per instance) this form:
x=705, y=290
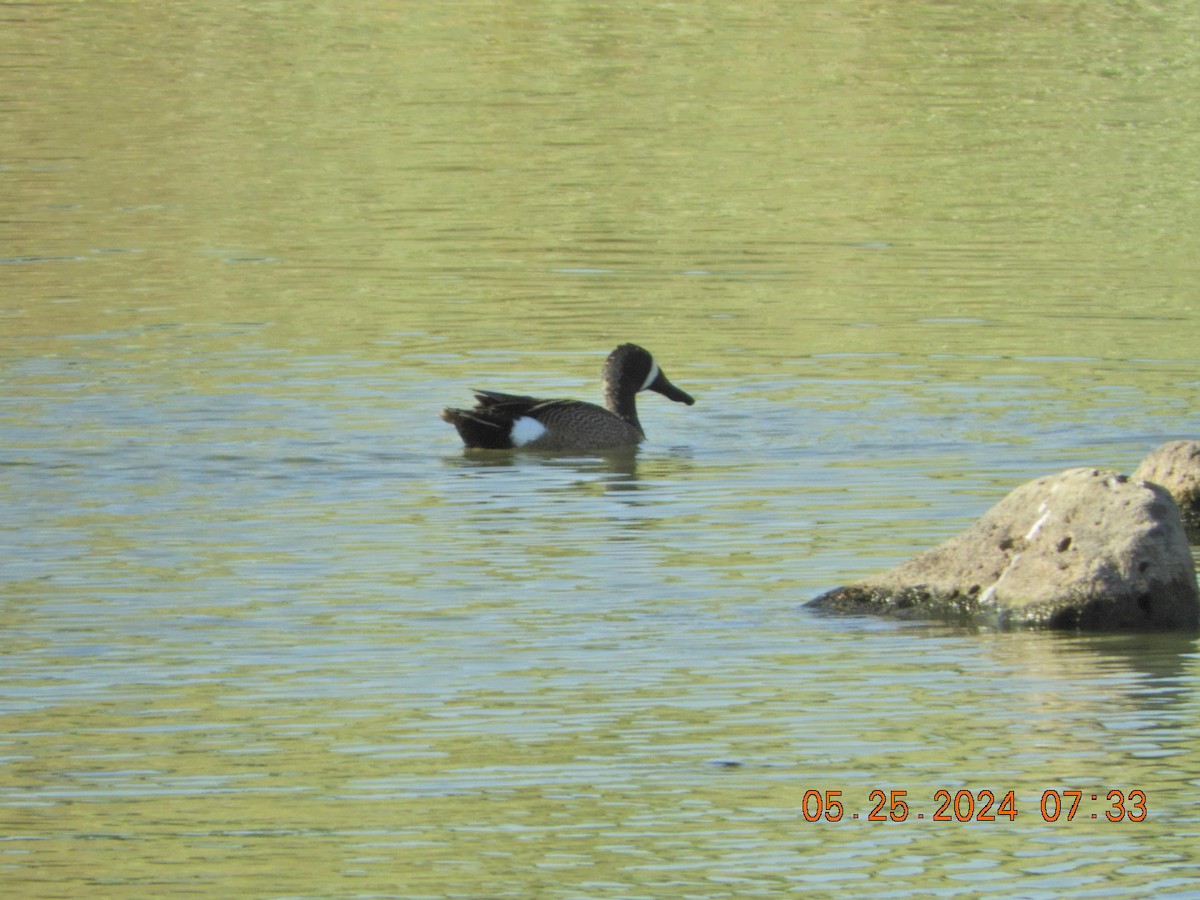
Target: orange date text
x=983, y=805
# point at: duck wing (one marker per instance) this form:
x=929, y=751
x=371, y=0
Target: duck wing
x=516, y=404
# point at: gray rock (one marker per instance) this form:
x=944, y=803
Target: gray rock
x=1176, y=466
x=1085, y=549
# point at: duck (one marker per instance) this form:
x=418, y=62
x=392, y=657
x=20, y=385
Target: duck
x=517, y=422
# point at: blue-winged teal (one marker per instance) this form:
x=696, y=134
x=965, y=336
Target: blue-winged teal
x=509, y=421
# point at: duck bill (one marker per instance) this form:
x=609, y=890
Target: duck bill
x=668, y=390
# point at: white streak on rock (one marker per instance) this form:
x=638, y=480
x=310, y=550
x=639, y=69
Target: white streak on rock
x=1037, y=526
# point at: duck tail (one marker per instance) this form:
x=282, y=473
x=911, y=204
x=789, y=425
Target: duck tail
x=477, y=431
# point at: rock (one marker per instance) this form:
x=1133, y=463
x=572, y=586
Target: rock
x=1176, y=466
x=1085, y=549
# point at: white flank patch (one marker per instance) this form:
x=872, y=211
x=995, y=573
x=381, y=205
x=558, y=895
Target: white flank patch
x=526, y=429
x=650, y=378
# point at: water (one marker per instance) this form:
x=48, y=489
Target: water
x=267, y=631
